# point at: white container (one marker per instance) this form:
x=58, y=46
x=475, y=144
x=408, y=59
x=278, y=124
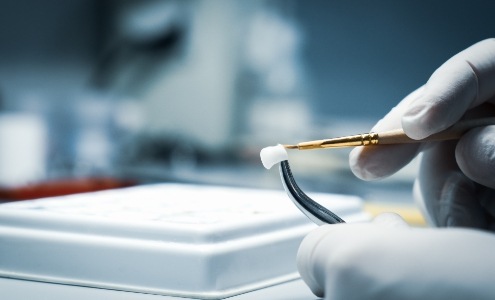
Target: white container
x=23, y=150
x=171, y=239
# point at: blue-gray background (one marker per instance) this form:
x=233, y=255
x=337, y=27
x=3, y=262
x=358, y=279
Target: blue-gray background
x=372, y=53
x=198, y=96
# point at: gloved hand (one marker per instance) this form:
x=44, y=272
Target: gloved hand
x=370, y=261
x=456, y=181
x=455, y=187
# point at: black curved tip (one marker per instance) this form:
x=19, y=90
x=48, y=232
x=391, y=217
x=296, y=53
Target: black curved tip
x=312, y=209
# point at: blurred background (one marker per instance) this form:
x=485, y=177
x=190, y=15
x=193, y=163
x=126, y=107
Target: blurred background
x=98, y=94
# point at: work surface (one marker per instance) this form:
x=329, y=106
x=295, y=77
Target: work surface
x=173, y=240
x=20, y=290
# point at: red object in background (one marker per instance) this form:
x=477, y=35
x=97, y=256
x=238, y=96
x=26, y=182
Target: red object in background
x=61, y=187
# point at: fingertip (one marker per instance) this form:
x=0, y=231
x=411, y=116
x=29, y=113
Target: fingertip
x=356, y=164
x=363, y=165
x=373, y=163
x=306, y=264
x=411, y=119
x=414, y=123
x=475, y=155
x=311, y=240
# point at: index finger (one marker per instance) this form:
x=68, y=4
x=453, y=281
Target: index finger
x=463, y=82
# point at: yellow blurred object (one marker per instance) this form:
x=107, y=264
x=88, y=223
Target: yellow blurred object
x=410, y=213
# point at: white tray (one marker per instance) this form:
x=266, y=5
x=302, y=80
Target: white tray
x=171, y=239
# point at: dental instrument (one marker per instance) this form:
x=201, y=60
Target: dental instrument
x=396, y=136
x=313, y=210
x=317, y=213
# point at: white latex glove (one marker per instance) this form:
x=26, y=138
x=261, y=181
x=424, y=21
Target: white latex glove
x=369, y=261
x=455, y=187
x=456, y=181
